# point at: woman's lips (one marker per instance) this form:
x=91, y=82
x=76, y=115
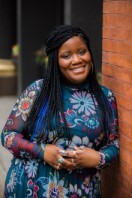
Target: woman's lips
x=78, y=70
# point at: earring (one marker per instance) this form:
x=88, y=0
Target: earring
x=92, y=68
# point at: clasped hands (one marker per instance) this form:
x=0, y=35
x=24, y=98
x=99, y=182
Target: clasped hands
x=80, y=157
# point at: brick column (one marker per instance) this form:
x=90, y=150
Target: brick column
x=117, y=75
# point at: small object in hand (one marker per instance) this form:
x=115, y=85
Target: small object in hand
x=72, y=160
x=58, y=166
x=63, y=152
x=61, y=160
x=82, y=147
x=75, y=153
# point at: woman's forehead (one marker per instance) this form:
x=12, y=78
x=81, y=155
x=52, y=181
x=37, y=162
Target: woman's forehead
x=73, y=42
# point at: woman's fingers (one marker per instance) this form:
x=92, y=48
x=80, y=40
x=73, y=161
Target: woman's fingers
x=71, y=160
x=62, y=163
x=63, y=159
x=77, y=148
x=66, y=163
x=68, y=153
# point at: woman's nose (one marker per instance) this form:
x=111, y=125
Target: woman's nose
x=76, y=59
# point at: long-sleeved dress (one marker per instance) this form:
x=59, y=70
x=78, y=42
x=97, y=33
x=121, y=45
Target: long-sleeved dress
x=29, y=176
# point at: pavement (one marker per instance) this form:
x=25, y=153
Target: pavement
x=6, y=105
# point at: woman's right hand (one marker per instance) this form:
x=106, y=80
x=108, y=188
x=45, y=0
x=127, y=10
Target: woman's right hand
x=53, y=157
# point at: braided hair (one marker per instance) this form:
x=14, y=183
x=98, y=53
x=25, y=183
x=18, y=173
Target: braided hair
x=48, y=106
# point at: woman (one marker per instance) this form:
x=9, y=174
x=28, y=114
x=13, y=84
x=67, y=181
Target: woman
x=62, y=129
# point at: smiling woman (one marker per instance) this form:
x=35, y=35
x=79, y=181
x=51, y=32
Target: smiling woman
x=62, y=129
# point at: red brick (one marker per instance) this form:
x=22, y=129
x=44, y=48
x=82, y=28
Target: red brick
x=116, y=0
x=117, y=46
x=115, y=176
x=120, y=34
x=124, y=61
x=117, y=72
x=107, y=69
x=125, y=128
x=124, y=193
x=123, y=101
x=123, y=7
x=121, y=190
x=117, y=20
x=120, y=182
x=125, y=115
x=123, y=184
x=117, y=86
x=106, y=56
x=125, y=142
x=125, y=156
x=124, y=169
x=127, y=61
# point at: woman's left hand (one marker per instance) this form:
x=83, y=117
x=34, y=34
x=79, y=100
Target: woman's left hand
x=86, y=158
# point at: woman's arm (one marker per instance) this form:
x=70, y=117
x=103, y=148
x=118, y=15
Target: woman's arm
x=12, y=137
x=109, y=153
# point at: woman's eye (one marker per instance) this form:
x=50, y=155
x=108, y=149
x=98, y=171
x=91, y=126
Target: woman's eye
x=82, y=52
x=66, y=56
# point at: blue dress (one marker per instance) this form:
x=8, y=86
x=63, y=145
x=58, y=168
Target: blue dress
x=29, y=176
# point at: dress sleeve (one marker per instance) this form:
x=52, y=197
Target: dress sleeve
x=109, y=152
x=12, y=137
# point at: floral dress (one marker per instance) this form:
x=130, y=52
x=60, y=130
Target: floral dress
x=29, y=176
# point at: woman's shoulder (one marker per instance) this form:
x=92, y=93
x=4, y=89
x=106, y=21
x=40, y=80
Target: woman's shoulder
x=36, y=83
x=108, y=92
x=34, y=88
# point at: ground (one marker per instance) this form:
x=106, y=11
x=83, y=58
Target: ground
x=6, y=104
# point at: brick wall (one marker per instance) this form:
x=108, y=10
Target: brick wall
x=117, y=75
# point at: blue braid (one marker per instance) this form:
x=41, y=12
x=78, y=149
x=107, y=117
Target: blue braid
x=38, y=127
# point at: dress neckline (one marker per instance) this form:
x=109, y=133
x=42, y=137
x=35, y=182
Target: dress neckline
x=71, y=86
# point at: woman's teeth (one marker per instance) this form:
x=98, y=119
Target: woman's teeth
x=78, y=69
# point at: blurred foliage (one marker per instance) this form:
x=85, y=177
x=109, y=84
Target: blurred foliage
x=15, y=50
x=41, y=57
x=99, y=77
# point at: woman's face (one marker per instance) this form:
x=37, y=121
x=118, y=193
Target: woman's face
x=74, y=60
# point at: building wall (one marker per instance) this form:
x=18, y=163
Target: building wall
x=117, y=75
x=7, y=27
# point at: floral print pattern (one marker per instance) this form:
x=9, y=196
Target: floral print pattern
x=23, y=104
x=55, y=188
x=85, y=185
x=29, y=176
x=31, y=168
x=91, y=122
x=74, y=191
x=83, y=102
x=12, y=182
x=32, y=189
x=77, y=141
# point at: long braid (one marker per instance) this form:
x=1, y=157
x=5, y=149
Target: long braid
x=102, y=101
x=49, y=104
